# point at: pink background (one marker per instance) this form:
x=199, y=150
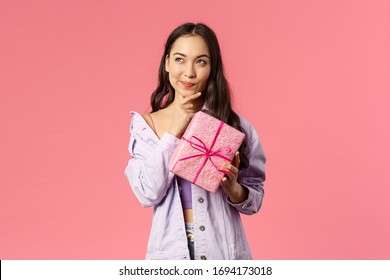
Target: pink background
x=311, y=76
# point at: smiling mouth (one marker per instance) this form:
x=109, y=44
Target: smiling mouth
x=187, y=85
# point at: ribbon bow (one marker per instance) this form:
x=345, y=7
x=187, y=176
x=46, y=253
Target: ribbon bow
x=208, y=153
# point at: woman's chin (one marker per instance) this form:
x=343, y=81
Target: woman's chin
x=186, y=93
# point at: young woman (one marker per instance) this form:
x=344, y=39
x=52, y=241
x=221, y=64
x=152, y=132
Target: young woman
x=188, y=221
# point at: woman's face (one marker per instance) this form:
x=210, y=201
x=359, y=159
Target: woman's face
x=188, y=65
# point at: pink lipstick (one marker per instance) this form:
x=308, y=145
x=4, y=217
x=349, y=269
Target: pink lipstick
x=187, y=85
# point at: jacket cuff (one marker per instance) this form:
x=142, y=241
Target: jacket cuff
x=246, y=205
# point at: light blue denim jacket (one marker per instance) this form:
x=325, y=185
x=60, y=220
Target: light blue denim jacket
x=219, y=233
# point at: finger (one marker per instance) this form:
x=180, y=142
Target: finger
x=236, y=159
x=225, y=168
x=188, y=105
x=231, y=168
x=225, y=181
x=191, y=97
x=227, y=172
x=228, y=179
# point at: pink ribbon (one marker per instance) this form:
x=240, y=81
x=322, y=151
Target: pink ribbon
x=207, y=152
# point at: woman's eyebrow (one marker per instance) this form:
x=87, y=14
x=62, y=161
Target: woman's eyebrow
x=201, y=55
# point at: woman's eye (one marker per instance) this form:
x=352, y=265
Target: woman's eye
x=178, y=59
x=202, y=62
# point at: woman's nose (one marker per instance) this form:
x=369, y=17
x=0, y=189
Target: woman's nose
x=189, y=71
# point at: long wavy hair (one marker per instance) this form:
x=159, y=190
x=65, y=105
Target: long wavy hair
x=217, y=95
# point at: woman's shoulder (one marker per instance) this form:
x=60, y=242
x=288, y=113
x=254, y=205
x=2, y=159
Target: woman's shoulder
x=146, y=122
x=247, y=126
x=251, y=132
x=137, y=118
x=139, y=121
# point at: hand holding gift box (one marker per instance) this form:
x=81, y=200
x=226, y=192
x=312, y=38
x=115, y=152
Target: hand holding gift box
x=206, y=144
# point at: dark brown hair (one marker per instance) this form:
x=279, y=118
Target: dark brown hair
x=217, y=93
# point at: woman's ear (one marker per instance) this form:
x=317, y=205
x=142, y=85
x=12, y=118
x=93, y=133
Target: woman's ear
x=167, y=63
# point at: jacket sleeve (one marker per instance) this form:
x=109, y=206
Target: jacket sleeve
x=147, y=170
x=252, y=177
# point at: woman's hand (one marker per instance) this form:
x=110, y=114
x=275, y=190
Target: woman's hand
x=182, y=112
x=234, y=190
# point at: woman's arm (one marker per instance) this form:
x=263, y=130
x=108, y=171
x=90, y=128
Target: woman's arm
x=251, y=179
x=147, y=170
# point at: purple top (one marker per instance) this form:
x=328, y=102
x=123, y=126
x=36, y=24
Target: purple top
x=185, y=192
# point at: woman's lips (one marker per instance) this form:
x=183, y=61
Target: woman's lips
x=187, y=85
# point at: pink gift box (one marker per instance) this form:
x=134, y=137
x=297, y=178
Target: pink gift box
x=206, y=144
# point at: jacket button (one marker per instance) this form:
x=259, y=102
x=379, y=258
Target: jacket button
x=203, y=258
x=200, y=200
x=202, y=228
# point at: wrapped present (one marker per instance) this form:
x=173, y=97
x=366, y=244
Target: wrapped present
x=206, y=144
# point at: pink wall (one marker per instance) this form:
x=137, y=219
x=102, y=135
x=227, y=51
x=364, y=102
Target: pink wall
x=312, y=76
